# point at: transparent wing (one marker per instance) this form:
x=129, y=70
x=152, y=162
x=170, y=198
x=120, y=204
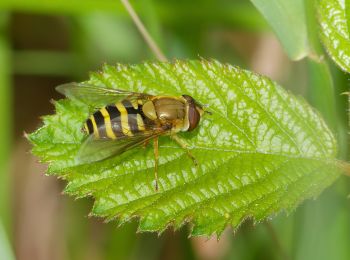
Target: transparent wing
x=93, y=150
x=96, y=96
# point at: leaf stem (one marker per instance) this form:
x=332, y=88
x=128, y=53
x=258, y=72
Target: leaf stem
x=145, y=34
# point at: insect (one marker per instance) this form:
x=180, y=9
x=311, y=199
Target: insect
x=124, y=120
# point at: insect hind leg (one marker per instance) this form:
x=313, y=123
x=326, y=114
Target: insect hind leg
x=184, y=146
x=156, y=161
x=144, y=145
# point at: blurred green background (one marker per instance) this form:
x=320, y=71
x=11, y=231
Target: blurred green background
x=46, y=43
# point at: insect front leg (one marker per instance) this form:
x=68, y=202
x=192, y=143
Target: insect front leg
x=156, y=159
x=184, y=146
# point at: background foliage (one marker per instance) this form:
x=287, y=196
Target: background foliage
x=46, y=43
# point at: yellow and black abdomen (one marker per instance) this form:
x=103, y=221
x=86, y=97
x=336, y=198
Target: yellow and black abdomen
x=113, y=121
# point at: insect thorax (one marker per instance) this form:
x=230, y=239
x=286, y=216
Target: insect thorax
x=168, y=108
x=167, y=111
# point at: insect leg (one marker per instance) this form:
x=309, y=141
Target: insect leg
x=184, y=146
x=144, y=145
x=156, y=156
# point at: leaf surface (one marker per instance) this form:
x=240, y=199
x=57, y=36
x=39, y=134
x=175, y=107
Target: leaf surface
x=261, y=151
x=335, y=33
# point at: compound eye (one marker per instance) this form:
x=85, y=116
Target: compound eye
x=193, y=117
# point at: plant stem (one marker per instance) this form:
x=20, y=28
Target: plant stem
x=142, y=29
x=5, y=131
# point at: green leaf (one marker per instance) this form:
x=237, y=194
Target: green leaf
x=260, y=152
x=335, y=32
x=287, y=18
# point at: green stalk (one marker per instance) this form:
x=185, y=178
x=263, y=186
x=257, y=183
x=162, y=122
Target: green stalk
x=5, y=130
x=5, y=140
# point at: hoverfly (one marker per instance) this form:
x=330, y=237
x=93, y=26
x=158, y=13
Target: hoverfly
x=129, y=119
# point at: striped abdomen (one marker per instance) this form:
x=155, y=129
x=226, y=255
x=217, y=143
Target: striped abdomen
x=122, y=119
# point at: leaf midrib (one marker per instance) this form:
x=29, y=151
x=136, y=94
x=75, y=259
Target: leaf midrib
x=166, y=192
x=237, y=153
x=265, y=178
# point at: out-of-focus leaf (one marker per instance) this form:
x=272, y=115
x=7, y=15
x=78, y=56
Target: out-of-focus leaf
x=260, y=152
x=321, y=90
x=287, y=18
x=335, y=32
x=170, y=12
x=108, y=38
x=325, y=224
x=44, y=63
